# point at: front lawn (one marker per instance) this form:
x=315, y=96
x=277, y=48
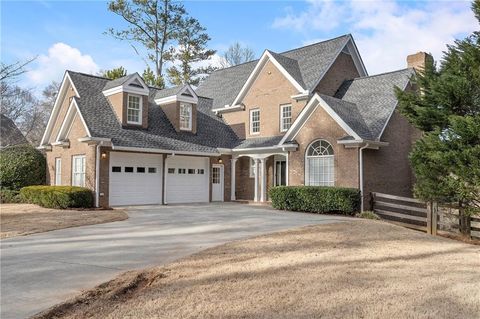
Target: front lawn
x=24, y=219
x=359, y=269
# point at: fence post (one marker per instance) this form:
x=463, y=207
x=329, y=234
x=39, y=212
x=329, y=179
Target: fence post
x=434, y=218
x=465, y=224
x=429, y=217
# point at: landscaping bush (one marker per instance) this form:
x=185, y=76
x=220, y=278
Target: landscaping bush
x=9, y=196
x=316, y=199
x=58, y=196
x=368, y=215
x=21, y=165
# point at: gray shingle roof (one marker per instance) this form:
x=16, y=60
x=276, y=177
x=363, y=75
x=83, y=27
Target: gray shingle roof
x=350, y=115
x=9, y=133
x=168, y=92
x=257, y=142
x=117, y=82
x=101, y=120
x=291, y=66
x=374, y=97
x=313, y=61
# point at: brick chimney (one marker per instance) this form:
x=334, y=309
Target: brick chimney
x=418, y=60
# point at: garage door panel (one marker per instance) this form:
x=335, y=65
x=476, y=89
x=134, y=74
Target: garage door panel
x=135, y=188
x=187, y=188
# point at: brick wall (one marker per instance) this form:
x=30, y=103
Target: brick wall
x=342, y=69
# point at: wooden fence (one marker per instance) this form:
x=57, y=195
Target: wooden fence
x=428, y=217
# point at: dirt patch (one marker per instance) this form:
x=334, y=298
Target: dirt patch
x=362, y=269
x=24, y=219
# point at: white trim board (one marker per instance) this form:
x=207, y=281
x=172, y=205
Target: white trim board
x=68, y=120
x=126, y=87
x=57, y=106
x=307, y=111
x=266, y=56
x=158, y=150
x=180, y=96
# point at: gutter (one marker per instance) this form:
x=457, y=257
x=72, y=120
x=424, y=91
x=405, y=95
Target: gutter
x=361, y=175
x=97, y=174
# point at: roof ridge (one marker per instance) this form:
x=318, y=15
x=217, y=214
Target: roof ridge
x=281, y=53
x=379, y=74
x=90, y=75
x=316, y=43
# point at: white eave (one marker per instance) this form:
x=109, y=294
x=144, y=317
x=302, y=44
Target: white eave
x=228, y=108
x=362, y=142
x=185, y=94
x=282, y=148
x=128, y=88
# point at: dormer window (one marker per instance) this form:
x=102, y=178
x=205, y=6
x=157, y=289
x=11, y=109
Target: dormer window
x=134, y=109
x=186, y=116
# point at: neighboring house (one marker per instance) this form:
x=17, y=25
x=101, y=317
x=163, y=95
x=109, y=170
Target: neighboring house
x=309, y=116
x=9, y=133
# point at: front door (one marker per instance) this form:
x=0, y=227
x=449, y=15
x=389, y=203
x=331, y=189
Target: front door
x=280, y=173
x=217, y=183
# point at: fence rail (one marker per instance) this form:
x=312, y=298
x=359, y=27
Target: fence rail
x=428, y=217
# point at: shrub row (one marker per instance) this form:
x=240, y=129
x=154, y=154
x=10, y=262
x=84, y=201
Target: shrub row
x=21, y=165
x=316, y=199
x=58, y=196
x=9, y=196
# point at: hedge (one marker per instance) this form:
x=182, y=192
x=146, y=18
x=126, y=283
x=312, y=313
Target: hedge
x=316, y=199
x=20, y=166
x=58, y=196
x=9, y=196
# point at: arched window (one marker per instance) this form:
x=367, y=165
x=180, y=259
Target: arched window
x=319, y=164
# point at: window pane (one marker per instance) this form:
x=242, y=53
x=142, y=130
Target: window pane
x=201, y=171
x=215, y=175
x=185, y=116
x=171, y=171
x=182, y=171
x=191, y=171
x=320, y=161
x=152, y=169
x=140, y=169
x=255, y=121
x=133, y=109
x=286, y=117
x=128, y=169
x=116, y=169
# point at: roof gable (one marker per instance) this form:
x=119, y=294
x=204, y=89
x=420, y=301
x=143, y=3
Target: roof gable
x=132, y=83
x=181, y=93
x=312, y=62
x=268, y=56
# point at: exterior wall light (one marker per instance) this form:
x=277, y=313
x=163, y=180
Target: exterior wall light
x=220, y=161
x=104, y=155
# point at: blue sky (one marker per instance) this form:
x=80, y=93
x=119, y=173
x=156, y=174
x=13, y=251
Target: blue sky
x=69, y=34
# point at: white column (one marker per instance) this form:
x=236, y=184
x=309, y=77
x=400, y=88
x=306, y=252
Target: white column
x=256, y=197
x=286, y=169
x=264, y=180
x=232, y=178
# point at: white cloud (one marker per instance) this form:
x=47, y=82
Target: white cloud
x=386, y=31
x=60, y=57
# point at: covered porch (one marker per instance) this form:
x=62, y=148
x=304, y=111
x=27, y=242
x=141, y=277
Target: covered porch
x=257, y=168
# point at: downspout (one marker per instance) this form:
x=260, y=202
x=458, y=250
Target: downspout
x=361, y=175
x=97, y=174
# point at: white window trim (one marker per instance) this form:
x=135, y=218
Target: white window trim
x=251, y=122
x=58, y=171
x=140, y=105
x=307, y=168
x=190, y=106
x=282, y=129
x=84, y=170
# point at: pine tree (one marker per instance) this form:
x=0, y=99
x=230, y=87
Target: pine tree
x=192, y=50
x=446, y=107
x=114, y=73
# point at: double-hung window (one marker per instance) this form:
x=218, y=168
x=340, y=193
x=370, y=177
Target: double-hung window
x=58, y=171
x=254, y=121
x=78, y=170
x=285, y=117
x=186, y=116
x=134, y=109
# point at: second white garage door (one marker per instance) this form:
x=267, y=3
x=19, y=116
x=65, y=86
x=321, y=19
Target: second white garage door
x=187, y=179
x=135, y=179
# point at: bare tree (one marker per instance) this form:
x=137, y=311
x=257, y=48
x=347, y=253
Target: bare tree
x=237, y=54
x=14, y=70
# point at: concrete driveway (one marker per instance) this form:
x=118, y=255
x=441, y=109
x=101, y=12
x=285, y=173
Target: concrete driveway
x=40, y=270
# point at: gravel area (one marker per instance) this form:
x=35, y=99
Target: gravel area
x=362, y=269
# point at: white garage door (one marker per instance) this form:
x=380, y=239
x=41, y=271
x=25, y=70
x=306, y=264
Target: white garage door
x=187, y=179
x=135, y=179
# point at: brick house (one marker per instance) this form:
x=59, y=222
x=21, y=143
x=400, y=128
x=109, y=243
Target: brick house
x=308, y=116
